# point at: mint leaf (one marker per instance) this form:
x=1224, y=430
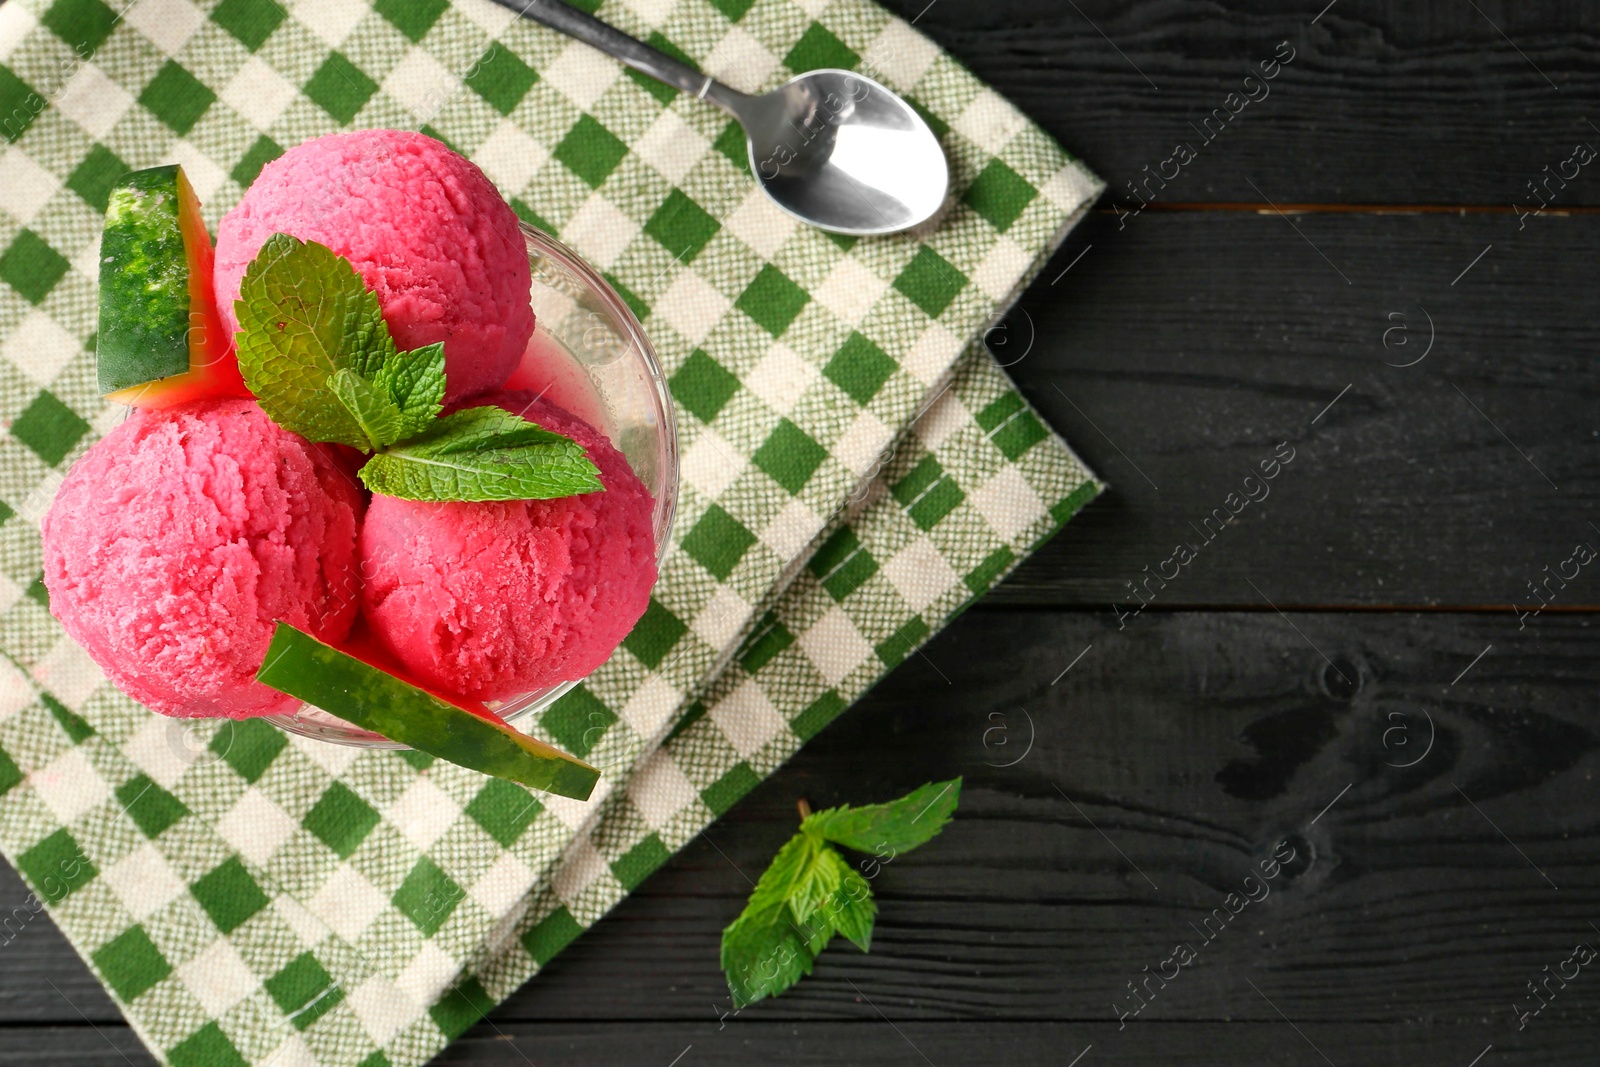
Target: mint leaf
x=305, y=313
x=815, y=884
x=414, y=380
x=766, y=950
x=485, y=425
x=897, y=826
x=810, y=892
x=762, y=955
x=834, y=899
x=380, y=420
x=483, y=453
x=857, y=911
x=786, y=869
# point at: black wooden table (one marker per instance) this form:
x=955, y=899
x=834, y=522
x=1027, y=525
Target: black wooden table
x=1386, y=264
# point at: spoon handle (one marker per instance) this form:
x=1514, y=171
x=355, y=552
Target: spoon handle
x=635, y=53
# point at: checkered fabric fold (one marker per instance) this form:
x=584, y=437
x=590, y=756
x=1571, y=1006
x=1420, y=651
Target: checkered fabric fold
x=856, y=470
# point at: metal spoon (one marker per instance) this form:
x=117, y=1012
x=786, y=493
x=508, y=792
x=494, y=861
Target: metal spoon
x=832, y=148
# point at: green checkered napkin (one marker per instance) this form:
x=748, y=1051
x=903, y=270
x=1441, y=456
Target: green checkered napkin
x=249, y=897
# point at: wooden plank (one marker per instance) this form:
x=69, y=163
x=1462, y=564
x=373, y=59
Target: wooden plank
x=1382, y=103
x=874, y=1041
x=1182, y=349
x=42, y=979
x=111, y=1045
x=983, y=1044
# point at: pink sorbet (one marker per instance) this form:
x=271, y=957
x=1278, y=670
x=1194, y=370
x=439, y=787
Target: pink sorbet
x=422, y=225
x=492, y=600
x=178, y=540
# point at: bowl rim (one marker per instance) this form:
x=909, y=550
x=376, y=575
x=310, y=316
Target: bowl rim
x=666, y=503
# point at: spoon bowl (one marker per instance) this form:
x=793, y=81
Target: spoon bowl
x=831, y=147
x=844, y=153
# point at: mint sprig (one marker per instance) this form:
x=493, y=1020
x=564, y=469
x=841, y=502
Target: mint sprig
x=314, y=349
x=810, y=892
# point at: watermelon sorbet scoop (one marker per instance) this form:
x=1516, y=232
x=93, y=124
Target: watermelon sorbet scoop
x=490, y=600
x=422, y=225
x=176, y=541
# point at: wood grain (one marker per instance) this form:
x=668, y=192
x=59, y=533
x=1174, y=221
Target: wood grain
x=1383, y=103
x=873, y=1041
x=1182, y=348
x=915, y=1044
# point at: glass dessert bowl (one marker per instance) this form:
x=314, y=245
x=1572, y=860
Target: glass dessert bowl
x=590, y=356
